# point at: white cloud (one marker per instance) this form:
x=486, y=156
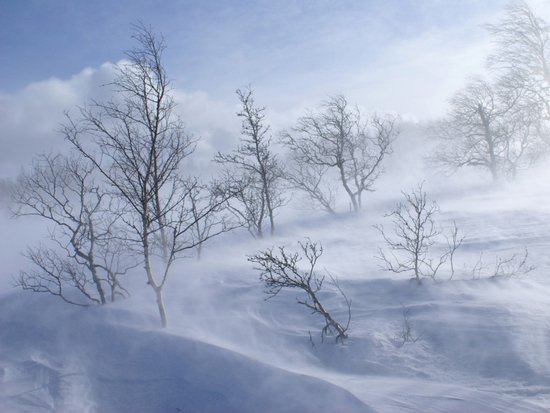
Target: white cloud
x=411, y=76
x=29, y=118
x=214, y=121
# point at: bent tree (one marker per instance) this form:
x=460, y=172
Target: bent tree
x=490, y=127
x=340, y=138
x=501, y=125
x=280, y=269
x=138, y=144
x=521, y=59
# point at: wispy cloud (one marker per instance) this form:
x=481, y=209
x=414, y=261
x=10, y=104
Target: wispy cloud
x=404, y=57
x=30, y=117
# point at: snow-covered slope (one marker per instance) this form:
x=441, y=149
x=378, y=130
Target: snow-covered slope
x=476, y=343
x=99, y=361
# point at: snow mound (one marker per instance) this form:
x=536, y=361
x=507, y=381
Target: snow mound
x=80, y=361
x=473, y=343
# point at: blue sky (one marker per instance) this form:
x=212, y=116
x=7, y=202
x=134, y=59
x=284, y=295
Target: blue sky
x=401, y=56
x=214, y=42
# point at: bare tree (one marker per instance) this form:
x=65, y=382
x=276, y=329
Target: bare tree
x=522, y=55
x=338, y=138
x=252, y=171
x=489, y=127
x=454, y=242
x=279, y=270
x=87, y=261
x=138, y=144
x=513, y=266
x=502, y=125
x=414, y=233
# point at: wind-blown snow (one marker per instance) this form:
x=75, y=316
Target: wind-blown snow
x=89, y=361
x=482, y=345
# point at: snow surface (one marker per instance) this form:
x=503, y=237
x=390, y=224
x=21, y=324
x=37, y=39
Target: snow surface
x=482, y=343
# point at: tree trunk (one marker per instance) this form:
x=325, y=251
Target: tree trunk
x=269, y=207
x=160, y=305
x=493, y=166
x=329, y=321
x=90, y=258
x=150, y=276
x=347, y=188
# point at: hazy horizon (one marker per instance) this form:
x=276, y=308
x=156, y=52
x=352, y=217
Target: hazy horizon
x=401, y=57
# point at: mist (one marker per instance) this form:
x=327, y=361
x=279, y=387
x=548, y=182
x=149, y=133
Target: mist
x=450, y=318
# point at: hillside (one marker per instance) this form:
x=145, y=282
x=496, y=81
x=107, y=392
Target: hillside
x=477, y=343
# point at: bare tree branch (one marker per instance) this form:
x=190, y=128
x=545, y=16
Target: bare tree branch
x=252, y=172
x=414, y=233
x=338, y=138
x=63, y=191
x=491, y=127
x=279, y=269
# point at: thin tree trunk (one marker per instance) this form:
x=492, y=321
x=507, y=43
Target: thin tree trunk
x=328, y=319
x=89, y=257
x=150, y=276
x=493, y=167
x=160, y=305
x=269, y=207
x=347, y=188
